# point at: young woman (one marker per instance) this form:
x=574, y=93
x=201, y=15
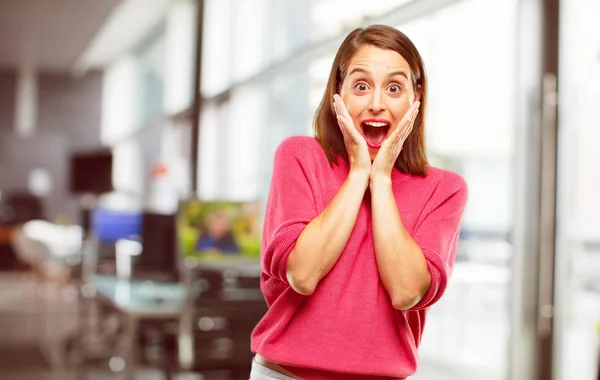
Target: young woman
x=360, y=233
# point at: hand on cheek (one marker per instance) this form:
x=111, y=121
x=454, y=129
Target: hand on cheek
x=390, y=150
x=356, y=146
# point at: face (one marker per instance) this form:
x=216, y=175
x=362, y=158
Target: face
x=218, y=225
x=377, y=91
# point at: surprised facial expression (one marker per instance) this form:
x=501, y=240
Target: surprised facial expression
x=377, y=91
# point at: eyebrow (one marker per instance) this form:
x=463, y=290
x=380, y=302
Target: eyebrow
x=393, y=73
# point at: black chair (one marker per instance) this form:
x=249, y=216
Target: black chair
x=16, y=208
x=21, y=207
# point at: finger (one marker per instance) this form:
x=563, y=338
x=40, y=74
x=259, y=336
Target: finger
x=401, y=133
x=413, y=118
x=338, y=115
x=398, y=133
x=416, y=111
x=407, y=131
x=336, y=102
x=338, y=108
x=409, y=127
x=411, y=113
x=335, y=107
x=342, y=107
x=409, y=118
x=344, y=118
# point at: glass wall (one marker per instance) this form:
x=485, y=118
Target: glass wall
x=144, y=94
x=330, y=18
x=470, y=130
x=577, y=287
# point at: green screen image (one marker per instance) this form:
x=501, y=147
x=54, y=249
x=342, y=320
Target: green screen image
x=219, y=230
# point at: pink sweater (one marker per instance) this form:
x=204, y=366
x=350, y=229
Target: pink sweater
x=348, y=329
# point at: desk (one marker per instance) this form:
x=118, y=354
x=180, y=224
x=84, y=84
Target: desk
x=147, y=300
x=136, y=301
x=144, y=299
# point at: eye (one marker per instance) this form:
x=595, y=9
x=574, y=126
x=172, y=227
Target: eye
x=394, y=89
x=361, y=87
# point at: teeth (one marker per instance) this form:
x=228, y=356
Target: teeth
x=376, y=125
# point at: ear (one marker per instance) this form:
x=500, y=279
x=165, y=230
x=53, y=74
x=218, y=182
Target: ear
x=417, y=94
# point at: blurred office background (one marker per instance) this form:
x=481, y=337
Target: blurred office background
x=176, y=99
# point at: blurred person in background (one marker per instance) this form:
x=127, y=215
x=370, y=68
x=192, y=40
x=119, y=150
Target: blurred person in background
x=360, y=233
x=217, y=236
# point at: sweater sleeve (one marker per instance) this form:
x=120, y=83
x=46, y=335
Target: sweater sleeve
x=437, y=236
x=290, y=207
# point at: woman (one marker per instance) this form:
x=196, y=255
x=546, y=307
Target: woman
x=360, y=233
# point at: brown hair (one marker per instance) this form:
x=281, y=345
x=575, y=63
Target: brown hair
x=412, y=158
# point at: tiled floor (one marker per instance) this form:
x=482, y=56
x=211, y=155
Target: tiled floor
x=20, y=329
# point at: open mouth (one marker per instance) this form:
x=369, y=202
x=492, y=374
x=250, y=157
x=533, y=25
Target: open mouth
x=375, y=132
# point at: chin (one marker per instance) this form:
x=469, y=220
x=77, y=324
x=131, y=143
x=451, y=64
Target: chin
x=373, y=154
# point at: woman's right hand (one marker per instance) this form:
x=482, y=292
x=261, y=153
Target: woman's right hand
x=356, y=145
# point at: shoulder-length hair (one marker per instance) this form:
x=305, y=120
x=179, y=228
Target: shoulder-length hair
x=412, y=158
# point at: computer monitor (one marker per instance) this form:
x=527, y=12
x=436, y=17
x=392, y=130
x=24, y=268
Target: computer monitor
x=91, y=172
x=159, y=248
x=219, y=231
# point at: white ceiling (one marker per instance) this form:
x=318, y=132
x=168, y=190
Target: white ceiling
x=49, y=34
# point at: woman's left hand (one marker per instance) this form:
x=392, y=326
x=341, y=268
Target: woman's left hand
x=392, y=146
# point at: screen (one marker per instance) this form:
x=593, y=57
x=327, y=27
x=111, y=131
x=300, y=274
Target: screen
x=219, y=231
x=159, y=244
x=91, y=173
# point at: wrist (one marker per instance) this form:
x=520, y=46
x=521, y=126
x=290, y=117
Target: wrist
x=380, y=180
x=359, y=177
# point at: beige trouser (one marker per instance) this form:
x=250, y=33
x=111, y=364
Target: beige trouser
x=260, y=372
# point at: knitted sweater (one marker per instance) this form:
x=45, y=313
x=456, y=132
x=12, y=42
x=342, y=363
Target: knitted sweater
x=347, y=328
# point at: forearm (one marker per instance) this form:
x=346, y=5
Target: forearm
x=401, y=263
x=322, y=241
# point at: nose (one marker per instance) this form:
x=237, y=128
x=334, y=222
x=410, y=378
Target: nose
x=375, y=104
